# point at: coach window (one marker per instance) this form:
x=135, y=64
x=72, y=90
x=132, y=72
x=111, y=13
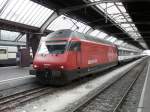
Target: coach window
x=123, y=52
x=3, y=51
x=119, y=52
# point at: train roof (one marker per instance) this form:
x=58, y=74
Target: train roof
x=70, y=33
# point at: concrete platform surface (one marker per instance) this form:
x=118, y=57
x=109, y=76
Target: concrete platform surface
x=13, y=72
x=144, y=104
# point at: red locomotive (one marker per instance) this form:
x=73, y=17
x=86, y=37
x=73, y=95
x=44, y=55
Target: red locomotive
x=66, y=55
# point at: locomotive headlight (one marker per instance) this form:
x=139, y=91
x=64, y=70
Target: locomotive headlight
x=35, y=66
x=62, y=67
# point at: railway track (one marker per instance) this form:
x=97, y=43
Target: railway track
x=12, y=100
x=112, y=106
x=8, y=102
x=126, y=93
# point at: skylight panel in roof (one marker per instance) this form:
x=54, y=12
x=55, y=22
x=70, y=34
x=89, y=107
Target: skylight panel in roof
x=38, y=16
x=86, y=29
x=25, y=12
x=125, y=25
x=39, y=21
x=113, y=39
x=13, y=10
x=119, y=3
x=129, y=19
x=112, y=10
x=138, y=35
x=118, y=14
x=22, y=39
x=134, y=35
x=80, y=27
x=5, y=13
x=135, y=29
x=94, y=33
x=133, y=25
x=119, y=42
x=62, y=22
x=109, y=38
x=120, y=20
x=129, y=29
x=101, y=35
x=21, y=12
x=2, y=3
x=8, y=35
x=123, y=10
x=102, y=6
x=31, y=9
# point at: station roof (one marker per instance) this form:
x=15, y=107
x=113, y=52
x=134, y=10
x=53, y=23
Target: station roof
x=140, y=13
x=112, y=21
x=109, y=16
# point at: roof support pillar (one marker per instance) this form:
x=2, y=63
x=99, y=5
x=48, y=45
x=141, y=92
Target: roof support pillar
x=28, y=41
x=34, y=42
x=18, y=48
x=90, y=30
x=52, y=17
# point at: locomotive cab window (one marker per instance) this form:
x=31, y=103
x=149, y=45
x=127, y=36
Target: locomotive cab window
x=52, y=48
x=56, y=48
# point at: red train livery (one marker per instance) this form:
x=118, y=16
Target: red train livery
x=66, y=55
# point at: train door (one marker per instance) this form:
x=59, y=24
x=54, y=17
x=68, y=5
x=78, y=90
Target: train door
x=110, y=54
x=76, y=47
x=78, y=55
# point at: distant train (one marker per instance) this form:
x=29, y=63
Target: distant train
x=7, y=55
x=126, y=54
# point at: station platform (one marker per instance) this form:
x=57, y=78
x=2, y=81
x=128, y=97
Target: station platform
x=144, y=104
x=13, y=72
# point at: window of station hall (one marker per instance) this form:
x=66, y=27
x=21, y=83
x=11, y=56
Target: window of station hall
x=24, y=11
x=64, y=22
